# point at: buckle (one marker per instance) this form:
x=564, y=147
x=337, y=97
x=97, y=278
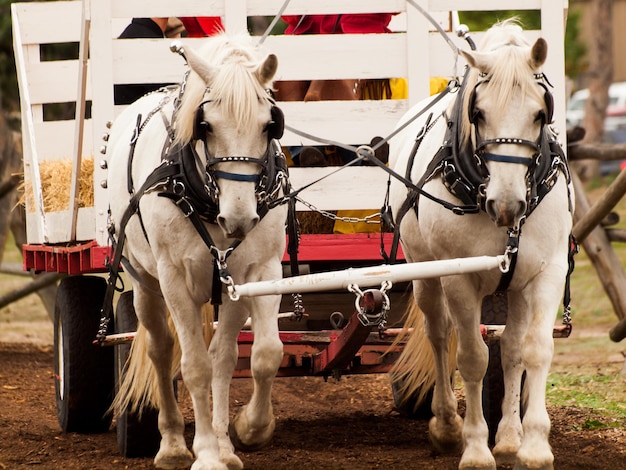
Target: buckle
x=185, y=206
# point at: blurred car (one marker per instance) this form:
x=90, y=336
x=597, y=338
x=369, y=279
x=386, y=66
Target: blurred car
x=615, y=111
x=614, y=121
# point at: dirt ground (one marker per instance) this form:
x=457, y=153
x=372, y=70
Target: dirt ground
x=350, y=424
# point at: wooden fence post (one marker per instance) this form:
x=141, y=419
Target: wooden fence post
x=598, y=247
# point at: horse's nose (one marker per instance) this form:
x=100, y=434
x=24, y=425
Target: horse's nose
x=505, y=213
x=237, y=228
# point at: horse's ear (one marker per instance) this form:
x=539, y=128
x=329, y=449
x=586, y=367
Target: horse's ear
x=480, y=60
x=266, y=71
x=199, y=65
x=539, y=53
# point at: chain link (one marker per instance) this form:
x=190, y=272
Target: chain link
x=373, y=218
x=371, y=319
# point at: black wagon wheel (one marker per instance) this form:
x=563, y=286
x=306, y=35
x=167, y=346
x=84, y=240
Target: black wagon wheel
x=137, y=436
x=83, y=371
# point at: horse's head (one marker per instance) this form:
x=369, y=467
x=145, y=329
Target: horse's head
x=228, y=116
x=506, y=105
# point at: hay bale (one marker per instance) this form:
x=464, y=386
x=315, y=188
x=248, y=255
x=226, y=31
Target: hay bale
x=314, y=222
x=56, y=176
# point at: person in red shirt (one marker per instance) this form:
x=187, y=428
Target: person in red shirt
x=202, y=26
x=336, y=24
x=316, y=90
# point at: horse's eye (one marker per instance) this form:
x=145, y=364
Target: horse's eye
x=477, y=115
x=541, y=116
x=203, y=128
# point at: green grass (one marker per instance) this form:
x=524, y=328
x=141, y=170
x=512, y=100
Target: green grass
x=604, y=393
x=601, y=392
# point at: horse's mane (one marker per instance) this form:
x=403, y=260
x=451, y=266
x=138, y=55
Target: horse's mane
x=511, y=68
x=234, y=87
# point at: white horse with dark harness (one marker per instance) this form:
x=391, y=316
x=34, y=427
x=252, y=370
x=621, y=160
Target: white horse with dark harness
x=195, y=176
x=487, y=176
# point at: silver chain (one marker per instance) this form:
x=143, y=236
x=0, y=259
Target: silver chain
x=370, y=219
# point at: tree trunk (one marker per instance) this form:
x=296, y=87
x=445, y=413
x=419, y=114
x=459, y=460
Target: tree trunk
x=600, y=78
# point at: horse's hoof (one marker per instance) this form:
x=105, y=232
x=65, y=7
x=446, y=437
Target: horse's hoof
x=264, y=437
x=477, y=458
x=534, y=456
x=173, y=458
x=446, y=439
x=504, y=455
x=233, y=463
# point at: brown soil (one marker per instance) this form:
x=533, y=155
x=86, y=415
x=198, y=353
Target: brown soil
x=350, y=424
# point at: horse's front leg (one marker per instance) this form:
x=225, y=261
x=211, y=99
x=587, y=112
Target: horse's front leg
x=472, y=359
x=537, y=351
x=253, y=426
x=173, y=452
x=195, y=370
x=223, y=353
x=445, y=426
x=509, y=435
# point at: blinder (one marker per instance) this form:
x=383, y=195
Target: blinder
x=200, y=126
x=275, y=128
x=547, y=98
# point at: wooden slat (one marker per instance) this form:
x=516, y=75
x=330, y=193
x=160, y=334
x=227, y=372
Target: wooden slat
x=347, y=189
x=349, y=122
x=54, y=139
x=300, y=57
x=49, y=22
x=124, y=8
x=54, y=81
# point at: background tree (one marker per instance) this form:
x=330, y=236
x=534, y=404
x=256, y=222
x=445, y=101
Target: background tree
x=8, y=79
x=600, y=76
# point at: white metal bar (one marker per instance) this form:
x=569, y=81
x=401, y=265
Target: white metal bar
x=81, y=92
x=31, y=158
x=102, y=110
x=366, y=277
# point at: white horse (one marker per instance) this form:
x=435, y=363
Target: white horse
x=495, y=159
x=208, y=206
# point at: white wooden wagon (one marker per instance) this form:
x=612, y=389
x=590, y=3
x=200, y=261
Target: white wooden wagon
x=73, y=239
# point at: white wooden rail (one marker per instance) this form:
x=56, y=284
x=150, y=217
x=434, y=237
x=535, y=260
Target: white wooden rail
x=414, y=52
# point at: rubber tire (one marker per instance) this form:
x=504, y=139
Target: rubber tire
x=136, y=437
x=83, y=371
x=494, y=312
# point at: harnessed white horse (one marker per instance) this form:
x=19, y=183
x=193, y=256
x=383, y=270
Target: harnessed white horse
x=487, y=152
x=202, y=171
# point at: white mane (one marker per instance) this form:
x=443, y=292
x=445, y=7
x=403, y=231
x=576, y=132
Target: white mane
x=510, y=68
x=235, y=86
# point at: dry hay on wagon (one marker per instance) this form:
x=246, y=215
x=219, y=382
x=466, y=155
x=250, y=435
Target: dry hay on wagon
x=56, y=176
